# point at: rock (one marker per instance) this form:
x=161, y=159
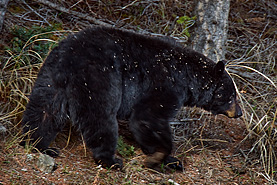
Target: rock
x=46, y=163
x=2, y=129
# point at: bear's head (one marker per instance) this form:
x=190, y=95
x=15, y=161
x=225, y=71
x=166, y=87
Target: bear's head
x=224, y=99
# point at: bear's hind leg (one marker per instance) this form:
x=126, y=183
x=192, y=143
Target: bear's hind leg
x=100, y=135
x=43, y=118
x=94, y=98
x=95, y=118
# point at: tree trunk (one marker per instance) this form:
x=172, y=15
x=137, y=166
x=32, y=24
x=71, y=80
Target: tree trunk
x=3, y=8
x=210, y=32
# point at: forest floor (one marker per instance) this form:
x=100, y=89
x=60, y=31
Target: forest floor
x=220, y=160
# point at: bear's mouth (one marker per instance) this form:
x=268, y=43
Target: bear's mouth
x=234, y=111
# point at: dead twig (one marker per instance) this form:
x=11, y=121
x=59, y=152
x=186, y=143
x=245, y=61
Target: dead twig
x=78, y=14
x=44, y=19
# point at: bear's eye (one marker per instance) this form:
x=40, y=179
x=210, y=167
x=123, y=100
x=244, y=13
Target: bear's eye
x=219, y=95
x=231, y=98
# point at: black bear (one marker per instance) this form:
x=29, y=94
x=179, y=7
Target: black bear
x=100, y=74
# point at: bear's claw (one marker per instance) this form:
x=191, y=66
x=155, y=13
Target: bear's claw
x=173, y=163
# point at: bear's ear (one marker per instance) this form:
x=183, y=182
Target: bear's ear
x=219, y=69
x=224, y=62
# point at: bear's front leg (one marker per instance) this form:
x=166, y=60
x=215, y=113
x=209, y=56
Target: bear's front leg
x=150, y=127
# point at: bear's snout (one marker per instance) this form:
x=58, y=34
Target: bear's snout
x=234, y=111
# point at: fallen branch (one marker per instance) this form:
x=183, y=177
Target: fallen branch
x=78, y=14
x=44, y=19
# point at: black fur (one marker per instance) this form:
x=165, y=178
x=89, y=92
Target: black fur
x=102, y=74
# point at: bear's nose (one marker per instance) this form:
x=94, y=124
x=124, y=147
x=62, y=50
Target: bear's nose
x=238, y=111
x=234, y=111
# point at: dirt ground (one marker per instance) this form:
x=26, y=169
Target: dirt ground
x=218, y=158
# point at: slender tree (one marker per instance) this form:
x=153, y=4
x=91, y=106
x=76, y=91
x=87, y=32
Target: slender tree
x=3, y=9
x=210, y=33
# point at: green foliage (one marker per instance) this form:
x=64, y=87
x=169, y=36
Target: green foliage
x=187, y=22
x=65, y=170
x=124, y=149
x=25, y=52
x=36, y=40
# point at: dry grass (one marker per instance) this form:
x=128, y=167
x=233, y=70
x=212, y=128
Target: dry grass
x=253, y=43
x=252, y=54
